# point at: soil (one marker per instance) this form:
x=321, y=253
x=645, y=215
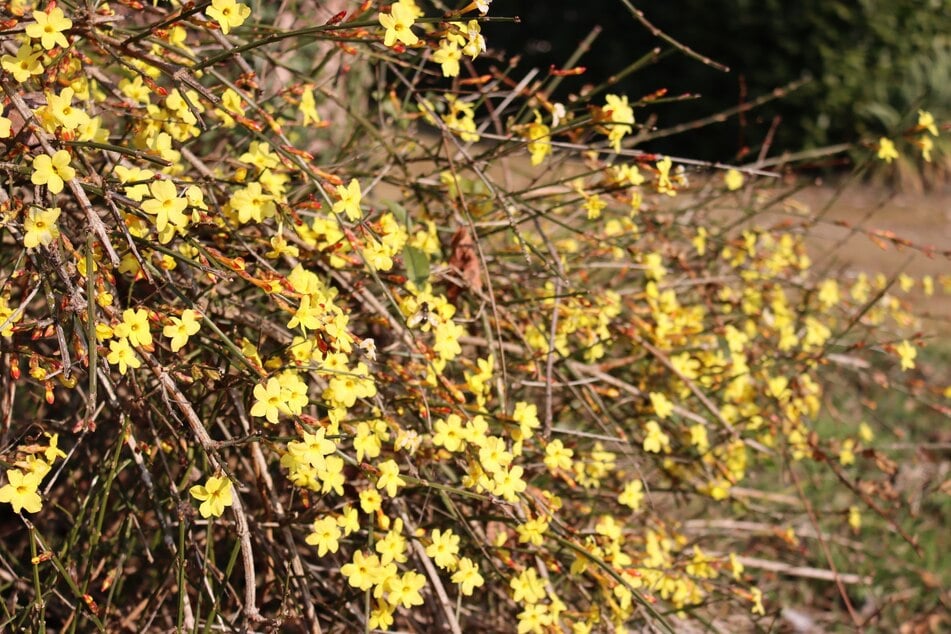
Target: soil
x=921, y=219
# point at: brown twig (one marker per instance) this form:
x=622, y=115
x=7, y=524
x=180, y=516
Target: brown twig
x=683, y=48
x=198, y=430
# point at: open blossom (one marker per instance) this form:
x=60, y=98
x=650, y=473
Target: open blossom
x=182, y=328
x=228, y=14
x=52, y=171
x=49, y=27
x=269, y=400
x=886, y=150
x=63, y=111
x=24, y=64
x=350, y=198
x=733, y=179
x=20, y=491
x=539, y=139
x=215, y=495
x=165, y=205
x=39, y=227
x=621, y=116
x=397, y=24
x=448, y=55
x=123, y=355
x=926, y=122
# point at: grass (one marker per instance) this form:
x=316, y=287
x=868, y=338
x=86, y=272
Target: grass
x=906, y=469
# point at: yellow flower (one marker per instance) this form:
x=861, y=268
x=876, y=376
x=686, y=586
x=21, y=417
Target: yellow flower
x=49, y=27
x=347, y=387
x=381, y=617
x=664, y=183
x=526, y=415
x=52, y=451
x=8, y=316
x=35, y=465
x=135, y=180
x=166, y=205
x=370, y=501
x=39, y=227
x=655, y=440
x=527, y=587
x=444, y=548
x=121, y=353
x=392, y=547
x=926, y=122
x=449, y=433
x=404, y=590
x=733, y=179
x=907, y=353
x=308, y=107
x=855, y=518
x=847, y=453
x=533, y=619
x=182, y=328
x=251, y=203
x=662, y=406
x=325, y=536
x=389, y=479
x=632, y=495
x=349, y=520
x=492, y=452
x=52, y=171
x=698, y=437
x=270, y=400
x=361, y=571
x=349, y=203
x=228, y=14
x=214, y=495
x=757, y=599
x=448, y=55
x=926, y=145
x=231, y=104
x=557, y=456
x=397, y=24
x=135, y=327
x=621, y=115
x=532, y=531
x=508, y=484
x=475, y=43
x=5, y=127
x=594, y=205
x=60, y=106
x=460, y=118
x=25, y=64
x=886, y=150
x=467, y=576
x=20, y=491
x=538, y=135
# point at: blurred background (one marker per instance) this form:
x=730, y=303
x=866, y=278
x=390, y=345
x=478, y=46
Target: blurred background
x=871, y=64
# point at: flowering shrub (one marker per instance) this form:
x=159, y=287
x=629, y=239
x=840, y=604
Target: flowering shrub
x=295, y=360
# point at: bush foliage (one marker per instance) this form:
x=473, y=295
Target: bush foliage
x=870, y=63
x=307, y=326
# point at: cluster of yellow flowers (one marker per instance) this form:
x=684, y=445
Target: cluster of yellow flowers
x=23, y=482
x=924, y=133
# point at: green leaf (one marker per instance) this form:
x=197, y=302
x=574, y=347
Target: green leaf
x=399, y=212
x=417, y=265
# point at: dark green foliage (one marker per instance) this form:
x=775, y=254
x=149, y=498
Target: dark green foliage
x=873, y=62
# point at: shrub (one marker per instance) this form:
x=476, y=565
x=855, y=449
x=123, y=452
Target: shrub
x=278, y=352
